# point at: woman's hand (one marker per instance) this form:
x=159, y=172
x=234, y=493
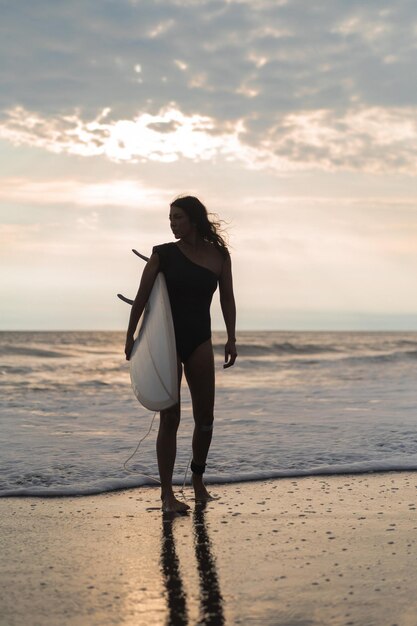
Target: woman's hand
x=129, y=346
x=230, y=353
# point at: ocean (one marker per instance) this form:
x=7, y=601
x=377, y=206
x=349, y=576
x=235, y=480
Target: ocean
x=295, y=404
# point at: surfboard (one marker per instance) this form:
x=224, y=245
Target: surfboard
x=153, y=362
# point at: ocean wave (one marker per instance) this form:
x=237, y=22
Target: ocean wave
x=7, y=370
x=407, y=342
x=291, y=348
x=388, y=357
x=11, y=350
x=286, y=348
x=320, y=354
x=142, y=480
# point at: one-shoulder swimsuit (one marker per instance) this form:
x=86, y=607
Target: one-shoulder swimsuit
x=190, y=289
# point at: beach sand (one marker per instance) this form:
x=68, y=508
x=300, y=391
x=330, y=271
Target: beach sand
x=295, y=552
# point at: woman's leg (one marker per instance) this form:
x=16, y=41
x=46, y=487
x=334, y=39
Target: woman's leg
x=166, y=449
x=199, y=371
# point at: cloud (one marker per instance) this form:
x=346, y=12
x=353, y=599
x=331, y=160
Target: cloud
x=285, y=86
x=164, y=137
x=223, y=61
x=374, y=140
x=125, y=193
x=276, y=112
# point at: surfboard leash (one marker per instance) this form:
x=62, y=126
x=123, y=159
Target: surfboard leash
x=185, y=478
x=137, y=448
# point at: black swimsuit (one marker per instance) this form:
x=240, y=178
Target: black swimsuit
x=190, y=289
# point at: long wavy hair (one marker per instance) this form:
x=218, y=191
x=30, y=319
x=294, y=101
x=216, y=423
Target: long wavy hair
x=208, y=229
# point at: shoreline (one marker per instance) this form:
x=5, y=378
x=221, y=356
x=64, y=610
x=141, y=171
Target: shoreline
x=316, y=550
x=48, y=494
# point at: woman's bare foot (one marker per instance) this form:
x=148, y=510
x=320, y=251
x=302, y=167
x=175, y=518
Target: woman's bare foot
x=200, y=491
x=170, y=504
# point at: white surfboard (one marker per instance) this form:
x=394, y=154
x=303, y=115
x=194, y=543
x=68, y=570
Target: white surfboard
x=153, y=362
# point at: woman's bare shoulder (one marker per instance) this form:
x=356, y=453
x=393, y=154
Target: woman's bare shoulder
x=216, y=258
x=212, y=251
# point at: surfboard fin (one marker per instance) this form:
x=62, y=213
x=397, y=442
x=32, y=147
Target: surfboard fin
x=119, y=295
x=142, y=256
x=127, y=300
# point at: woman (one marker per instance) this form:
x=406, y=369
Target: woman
x=193, y=266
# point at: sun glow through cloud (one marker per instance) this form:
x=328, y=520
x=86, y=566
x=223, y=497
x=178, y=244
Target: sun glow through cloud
x=374, y=139
x=164, y=137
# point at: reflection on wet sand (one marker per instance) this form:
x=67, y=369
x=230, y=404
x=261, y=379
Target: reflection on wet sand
x=210, y=597
x=176, y=597
x=211, y=601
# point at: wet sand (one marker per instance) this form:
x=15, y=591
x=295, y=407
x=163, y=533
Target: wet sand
x=294, y=552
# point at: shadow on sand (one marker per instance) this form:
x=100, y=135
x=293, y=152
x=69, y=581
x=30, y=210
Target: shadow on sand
x=210, y=597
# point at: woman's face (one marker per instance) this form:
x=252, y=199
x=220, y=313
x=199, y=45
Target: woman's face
x=179, y=222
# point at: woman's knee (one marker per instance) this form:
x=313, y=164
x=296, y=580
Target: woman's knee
x=170, y=419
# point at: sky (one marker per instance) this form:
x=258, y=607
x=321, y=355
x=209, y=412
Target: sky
x=294, y=121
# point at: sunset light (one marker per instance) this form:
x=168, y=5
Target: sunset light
x=208, y=313
x=275, y=118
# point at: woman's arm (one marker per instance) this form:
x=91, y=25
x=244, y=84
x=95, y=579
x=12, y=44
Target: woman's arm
x=227, y=302
x=148, y=278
